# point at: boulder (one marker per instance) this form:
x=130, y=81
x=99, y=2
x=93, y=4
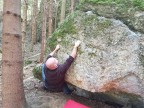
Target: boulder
x=110, y=60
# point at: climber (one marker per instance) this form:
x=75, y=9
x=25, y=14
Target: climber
x=53, y=73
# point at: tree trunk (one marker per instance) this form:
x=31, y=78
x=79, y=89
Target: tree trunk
x=50, y=23
x=12, y=62
x=24, y=24
x=56, y=12
x=62, y=11
x=43, y=42
x=72, y=6
x=34, y=18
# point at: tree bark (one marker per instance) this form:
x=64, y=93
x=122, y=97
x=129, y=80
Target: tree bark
x=34, y=24
x=12, y=62
x=56, y=12
x=24, y=24
x=62, y=11
x=43, y=42
x=72, y=6
x=50, y=23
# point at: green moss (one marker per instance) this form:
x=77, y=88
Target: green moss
x=37, y=72
x=67, y=27
x=101, y=26
x=127, y=3
x=108, y=2
x=124, y=12
x=94, y=26
x=90, y=45
x=92, y=54
x=80, y=51
x=139, y=4
x=27, y=62
x=88, y=20
x=104, y=24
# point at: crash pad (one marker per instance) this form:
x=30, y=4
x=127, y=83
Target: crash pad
x=72, y=104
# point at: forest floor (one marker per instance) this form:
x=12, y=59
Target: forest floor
x=37, y=97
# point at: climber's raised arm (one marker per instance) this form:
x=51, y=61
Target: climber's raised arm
x=74, y=51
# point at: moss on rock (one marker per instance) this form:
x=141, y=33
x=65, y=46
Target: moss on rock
x=37, y=72
x=127, y=3
x=27, y=62
x=90, y=19
x=67, y=27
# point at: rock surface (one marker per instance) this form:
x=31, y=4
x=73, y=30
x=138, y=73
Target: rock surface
x=110, y=58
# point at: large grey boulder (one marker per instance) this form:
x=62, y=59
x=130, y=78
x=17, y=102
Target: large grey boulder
x=110, y=58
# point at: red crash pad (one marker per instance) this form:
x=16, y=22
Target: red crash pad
x=72, y=104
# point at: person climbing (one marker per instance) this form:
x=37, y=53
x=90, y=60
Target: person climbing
x=53, y=73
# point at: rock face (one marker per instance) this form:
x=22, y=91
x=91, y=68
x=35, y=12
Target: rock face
x=110, y=58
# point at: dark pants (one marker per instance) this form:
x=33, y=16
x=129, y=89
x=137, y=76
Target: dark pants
x=66, y=89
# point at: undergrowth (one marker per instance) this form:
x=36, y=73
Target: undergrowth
x=130, y=3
